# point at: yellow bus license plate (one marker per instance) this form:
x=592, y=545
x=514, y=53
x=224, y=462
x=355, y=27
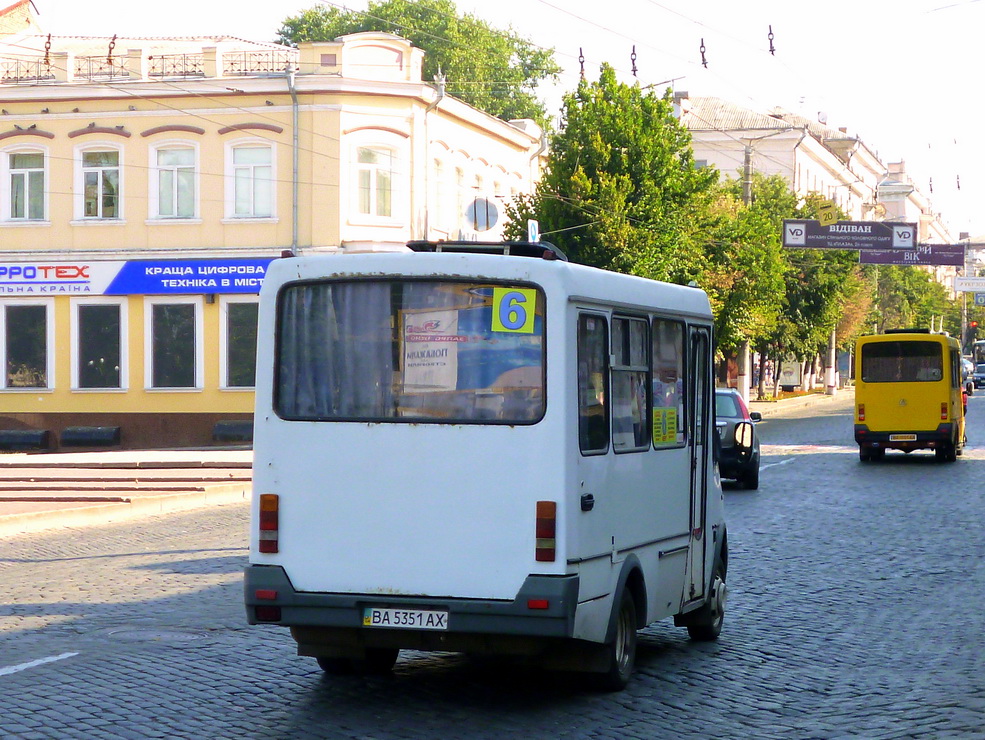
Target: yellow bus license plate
x=902, y=438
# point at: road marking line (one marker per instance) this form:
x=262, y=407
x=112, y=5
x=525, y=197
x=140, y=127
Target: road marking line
x=773, y=465
x=34, y=663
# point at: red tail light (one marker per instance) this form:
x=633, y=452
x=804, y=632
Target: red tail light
x=546, y=531
x=269, y=522
x=943, y=410
x=861, y=412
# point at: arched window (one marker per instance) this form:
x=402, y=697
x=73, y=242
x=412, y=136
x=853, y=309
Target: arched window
x=26, y=175
x=99, y=179
x=173, y=191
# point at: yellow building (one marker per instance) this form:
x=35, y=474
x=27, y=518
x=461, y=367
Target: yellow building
x=145, y=184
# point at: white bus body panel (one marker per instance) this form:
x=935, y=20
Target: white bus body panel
x=430, y=509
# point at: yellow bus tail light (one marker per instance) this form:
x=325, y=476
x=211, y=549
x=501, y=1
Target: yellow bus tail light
x=943, y=410
x=861, y=412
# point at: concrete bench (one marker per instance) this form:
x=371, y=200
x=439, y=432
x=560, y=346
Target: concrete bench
x=25, y=439
x=90, y=437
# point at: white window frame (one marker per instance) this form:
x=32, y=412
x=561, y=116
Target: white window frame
x=6, y=175
x=79, y=178
x=122, y=303
x=224, y=303
x=49, y=305
x=149, y=303
x=400, y=187
x=154, y=182
x=230, y=178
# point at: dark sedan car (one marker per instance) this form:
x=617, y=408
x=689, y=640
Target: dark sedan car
x=738, y=457
x=978, y=377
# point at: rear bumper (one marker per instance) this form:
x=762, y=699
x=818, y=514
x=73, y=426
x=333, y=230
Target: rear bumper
x=323, y=622
x=922, y=440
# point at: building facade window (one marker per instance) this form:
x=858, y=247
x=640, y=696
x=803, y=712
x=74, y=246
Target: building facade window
x=98, y=336
x=253, y=184
x=374, y=181
x=238, y=342
x=174, y=182
x=173, y=334
x=101, y=184
x=27, y=176
x=26, y=334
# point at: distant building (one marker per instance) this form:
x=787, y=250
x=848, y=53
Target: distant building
x=812, y=157
x=145, y=184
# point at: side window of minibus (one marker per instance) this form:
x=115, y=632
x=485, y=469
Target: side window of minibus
x=667, y=358
x=593, y=374
x=630, y=385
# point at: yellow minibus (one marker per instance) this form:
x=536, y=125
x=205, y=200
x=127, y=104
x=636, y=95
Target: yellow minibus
x=908, y=394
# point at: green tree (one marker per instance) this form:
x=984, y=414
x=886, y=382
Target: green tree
x=744, y=261
x=620, y=190
x=496, y=71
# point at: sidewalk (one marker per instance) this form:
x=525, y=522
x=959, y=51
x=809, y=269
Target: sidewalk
x=42, y=491
x=774, y=408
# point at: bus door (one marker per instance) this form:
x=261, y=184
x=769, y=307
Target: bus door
x=594, y=546
x=698, y=393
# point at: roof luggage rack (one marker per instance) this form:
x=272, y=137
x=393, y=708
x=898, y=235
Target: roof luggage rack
x=908, y=331
x=544, y=250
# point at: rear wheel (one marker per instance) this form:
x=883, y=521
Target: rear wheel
x=705, y=624
x=864, y=453
x=750, y=479
x=622, y=650
x=376, y=661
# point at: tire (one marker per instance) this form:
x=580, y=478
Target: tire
x=622, y=650
x=377, y=661
x=705, y=624
x=336, y=666
x=864, y=453
x=750, y=480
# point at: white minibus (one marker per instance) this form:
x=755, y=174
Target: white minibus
x=482, y=448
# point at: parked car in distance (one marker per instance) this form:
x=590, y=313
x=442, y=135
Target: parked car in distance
x=738, y=457
x=978, y=377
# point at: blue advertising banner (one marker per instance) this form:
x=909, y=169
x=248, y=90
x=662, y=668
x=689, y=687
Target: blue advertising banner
x=137, y=277
x=150, y=277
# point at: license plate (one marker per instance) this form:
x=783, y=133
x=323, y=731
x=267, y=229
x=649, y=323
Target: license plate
x=412, y=619
x=902, y=438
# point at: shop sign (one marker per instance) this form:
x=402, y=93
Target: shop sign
x=134, y=277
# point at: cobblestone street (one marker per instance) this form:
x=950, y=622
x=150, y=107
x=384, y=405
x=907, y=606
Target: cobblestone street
x=855, y=611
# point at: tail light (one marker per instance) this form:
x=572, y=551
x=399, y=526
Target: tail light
x=269, y=522
x=861, y=412
x=546, y=531
x=943, y=410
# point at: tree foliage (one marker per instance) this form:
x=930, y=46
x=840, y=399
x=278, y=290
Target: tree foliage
x=496, y=71
x=620, y=190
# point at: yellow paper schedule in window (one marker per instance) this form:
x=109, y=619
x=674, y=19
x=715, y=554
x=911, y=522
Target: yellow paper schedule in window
x=664, y=426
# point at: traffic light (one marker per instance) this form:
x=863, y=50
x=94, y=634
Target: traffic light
x=972, y=331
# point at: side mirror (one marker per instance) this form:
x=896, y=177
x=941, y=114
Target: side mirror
x=755, y=416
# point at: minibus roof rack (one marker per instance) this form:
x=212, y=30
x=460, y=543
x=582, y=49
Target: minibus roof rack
x=544, y=250
x=908, y=331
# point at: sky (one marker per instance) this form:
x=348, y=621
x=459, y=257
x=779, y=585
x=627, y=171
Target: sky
x=902, y=75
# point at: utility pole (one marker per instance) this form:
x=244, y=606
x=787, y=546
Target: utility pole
x=743, y=360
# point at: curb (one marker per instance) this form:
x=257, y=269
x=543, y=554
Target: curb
x=773, y=408
x=77, y=513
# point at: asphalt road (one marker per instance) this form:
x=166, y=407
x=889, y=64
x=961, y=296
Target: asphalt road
x=855, y=610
